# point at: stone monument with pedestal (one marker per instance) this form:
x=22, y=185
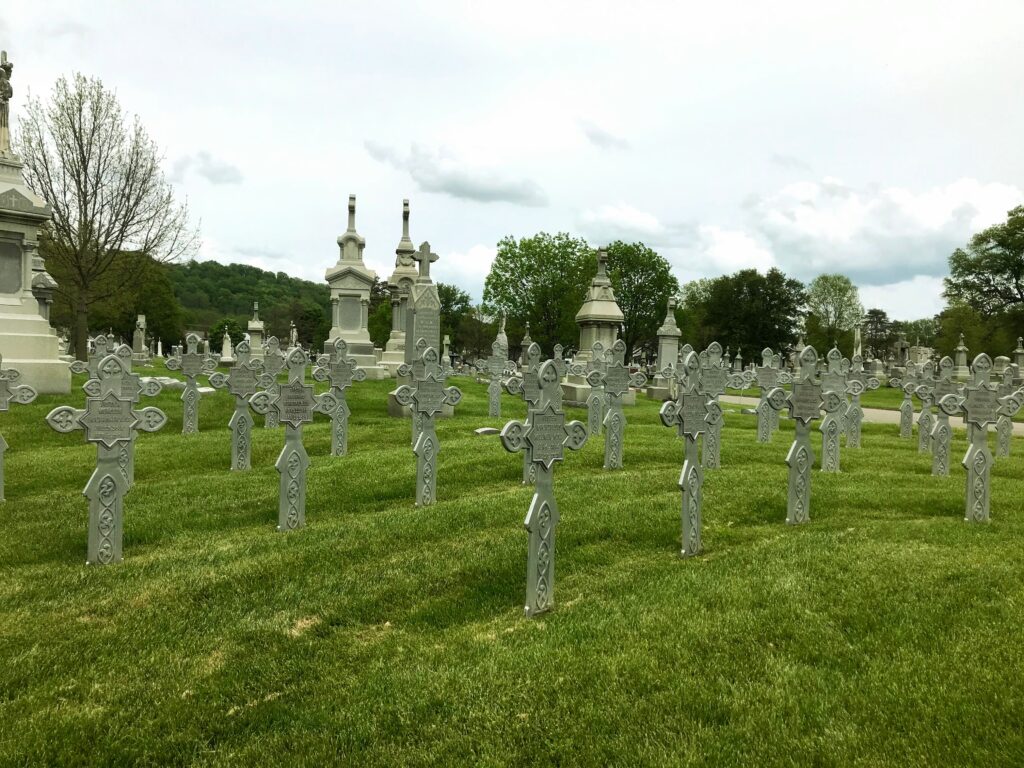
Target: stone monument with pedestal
x=26, y=289
x=350, y=281
x=255, y=330
x=668, y=354
x=400, y=287
x=599, y=320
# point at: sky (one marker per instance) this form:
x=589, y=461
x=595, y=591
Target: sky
x=868, y=138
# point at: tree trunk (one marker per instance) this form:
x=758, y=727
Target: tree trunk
x=80, y=333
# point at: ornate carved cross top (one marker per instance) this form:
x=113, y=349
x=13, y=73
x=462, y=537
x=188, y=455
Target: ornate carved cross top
x=424, y=257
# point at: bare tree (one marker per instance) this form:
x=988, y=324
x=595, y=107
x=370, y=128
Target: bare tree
x=113, y=210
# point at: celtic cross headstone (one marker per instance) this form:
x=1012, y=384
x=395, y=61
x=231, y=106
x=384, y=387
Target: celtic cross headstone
x=713, y=378
x=833, y=380
x=242, y=380
x=691, y=413
x=908, y=383
x=10, y=392
x=427, y=396
x=942, y=432
x=925, y=393
x=108, y=420
x=858, y=382
x=295, y=403
x=494, y=366
x=99, y=348
x=1004, y=424
x=340, y=370
x=273, y=364
x=805, y=403
x=978, y=404
x=192, y=363
x=617, y=381
x=597, y=401
x=528, y=387
x=767, y=376
x=543, y=437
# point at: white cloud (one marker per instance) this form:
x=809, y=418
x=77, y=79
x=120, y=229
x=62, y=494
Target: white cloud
x=920, y=296
x=619, y=222
x=467, y=269
x=875, y=234
x=601, y=138
x=724, y=251
x=440, y=171
x=207, y=166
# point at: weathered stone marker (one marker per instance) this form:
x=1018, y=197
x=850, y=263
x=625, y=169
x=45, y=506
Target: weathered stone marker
x=109, y=421
x=543, y=437
x=858, y=382
x=340, y=370
x=597, y=401
x=768, y=377
x=22, y=394
x=242, y=381
x=528, y=387
x=273, y=364
x=99, y=348
x=427, y=396
x=925, y=393
x=833, y=380
x=295, y=404
x=1004, y=424
x=805, y=404
x=942, y=432
x=191, y=363
x=692, y=413
x=617, y=381
x=978, y=404
x=494, y=366
x=713, y=376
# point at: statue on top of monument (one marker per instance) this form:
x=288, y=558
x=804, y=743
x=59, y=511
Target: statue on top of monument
x=5, y=97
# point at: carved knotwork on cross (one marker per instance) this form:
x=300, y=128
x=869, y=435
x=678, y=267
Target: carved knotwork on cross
x=340, y=370
x=692, y=413
x=924, y=391
x=543, y=437
x=713, y=380
x=617, y=381
x=942, y=432
x=22, y=394
x=295, y=403
x=528, y=387
x=191, y=363
x=857, y=383
x=242, y=380
x=99, y=348
x=427, y=396
x=597, y=400
x=109, y=421
x=495, y=366
x=805, y=403
x=273, y=364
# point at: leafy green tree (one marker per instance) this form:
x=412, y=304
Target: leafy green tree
x=923, y=331
x=878, y=330
x=834, y=303
x=745, y=311
x=379, y=324
x=229, y=326
x=541, y=279
x=455, y=304
x=476, y=333
x=989, y=273
x=643, y=282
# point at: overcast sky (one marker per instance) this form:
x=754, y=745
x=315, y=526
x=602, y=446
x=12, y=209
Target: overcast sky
x=869, y=138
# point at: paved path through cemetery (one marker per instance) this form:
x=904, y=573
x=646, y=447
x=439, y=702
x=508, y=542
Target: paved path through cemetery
x=873, y=415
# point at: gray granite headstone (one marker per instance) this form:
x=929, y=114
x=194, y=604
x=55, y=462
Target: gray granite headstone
x=192, y=363
x=833, y=381
x=1004, y=424
x=494, y=366
x=617, y=381
x=692, y=412
x=805, y=404
x=10, y=392
x=243, y=380
x=108, y=420
x=713, y=378
x=340, y=370
x=543, y=437
x=858, y=382
x=597, y=400
x=528, y=387
x=273, y=364
x=942, y=432
x=427, y=396
x=295, y=404
x=925, y=393
x=767, y=378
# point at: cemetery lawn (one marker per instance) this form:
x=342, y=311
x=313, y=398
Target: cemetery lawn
x=885, y=632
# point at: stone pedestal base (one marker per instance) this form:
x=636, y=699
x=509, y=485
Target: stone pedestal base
x=658, y=393
x=576, y=395
x=29, y=345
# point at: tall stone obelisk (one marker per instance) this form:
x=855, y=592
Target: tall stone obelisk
x=350, y=281
x=400, y=287
x=27, y=342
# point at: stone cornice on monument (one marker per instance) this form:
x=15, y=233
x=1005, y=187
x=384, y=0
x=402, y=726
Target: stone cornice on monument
x=350, y=271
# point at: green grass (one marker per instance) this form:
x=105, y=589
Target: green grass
x=885, y=632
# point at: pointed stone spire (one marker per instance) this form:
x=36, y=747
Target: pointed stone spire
x=350, y=244
x=405, y=249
